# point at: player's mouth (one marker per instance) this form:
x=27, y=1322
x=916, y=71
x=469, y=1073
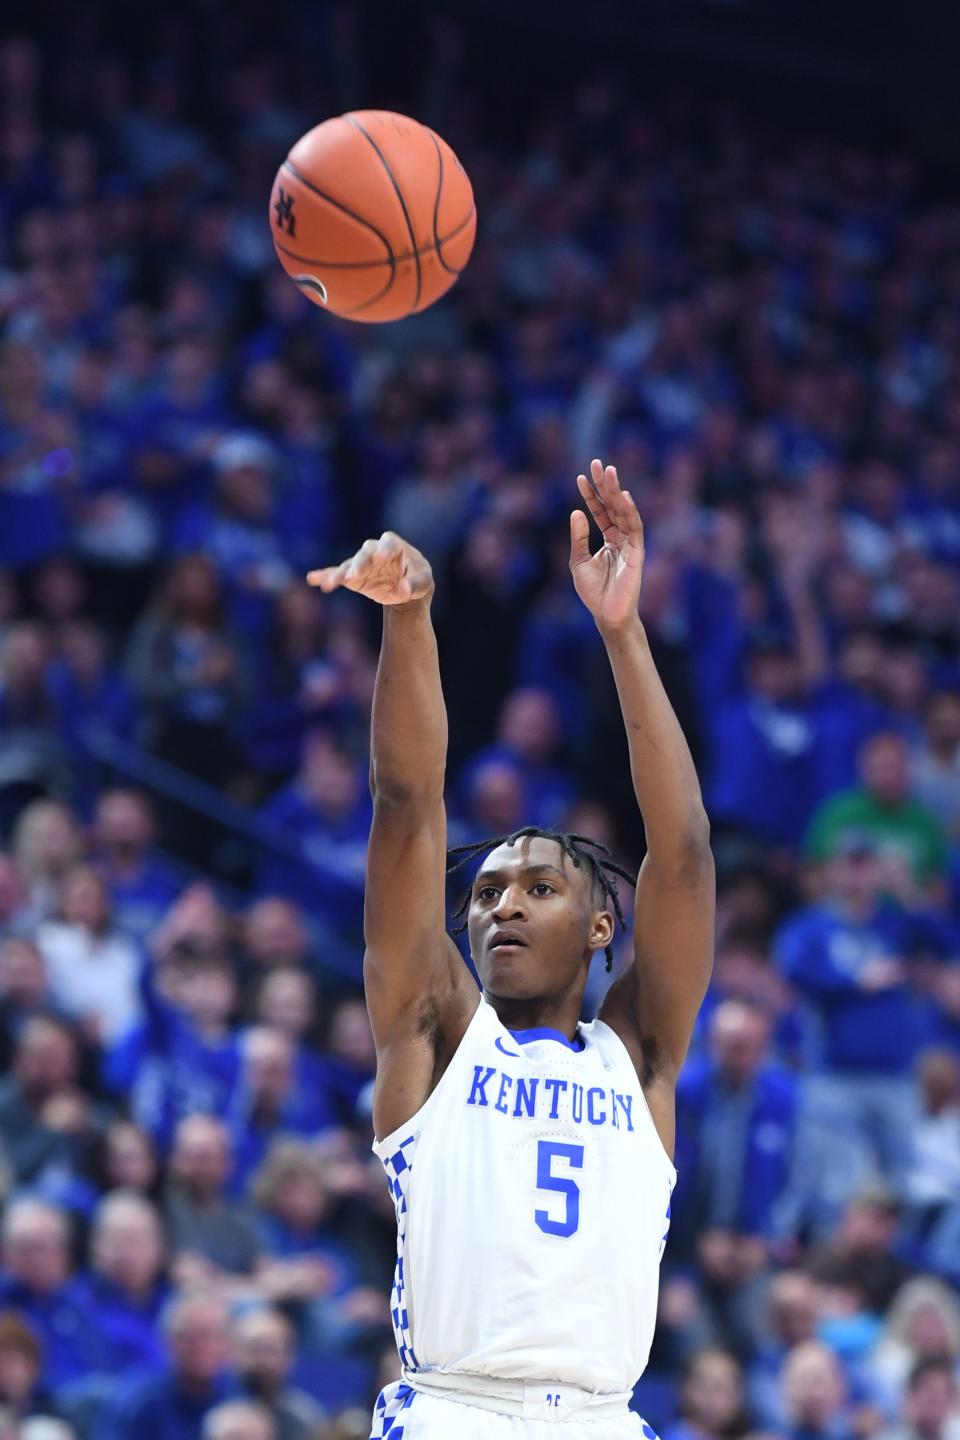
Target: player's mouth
x=503, y=941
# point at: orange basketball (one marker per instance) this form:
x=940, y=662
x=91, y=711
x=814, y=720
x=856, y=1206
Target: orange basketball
x=372, y=215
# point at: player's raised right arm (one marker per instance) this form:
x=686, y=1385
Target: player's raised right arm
x=419, y=992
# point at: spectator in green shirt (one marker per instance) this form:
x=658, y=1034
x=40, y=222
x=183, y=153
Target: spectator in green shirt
x=882, y=811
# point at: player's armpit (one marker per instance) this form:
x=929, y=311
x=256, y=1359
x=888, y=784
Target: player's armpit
x=653, y=1006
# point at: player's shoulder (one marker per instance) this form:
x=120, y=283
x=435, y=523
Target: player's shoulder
x=604, y=1033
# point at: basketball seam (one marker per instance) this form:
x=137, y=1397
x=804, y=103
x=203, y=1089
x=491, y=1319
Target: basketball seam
x=438, y=243
x=298, y=175
x=371, y=264
x=346, y=314
x=403, y=204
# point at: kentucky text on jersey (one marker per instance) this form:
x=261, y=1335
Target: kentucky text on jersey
x=543, y=1098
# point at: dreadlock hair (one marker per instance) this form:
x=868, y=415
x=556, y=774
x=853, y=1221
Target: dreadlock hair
x=602, y=870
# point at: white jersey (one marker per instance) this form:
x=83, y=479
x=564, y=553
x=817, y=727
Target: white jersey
x=533, y=1201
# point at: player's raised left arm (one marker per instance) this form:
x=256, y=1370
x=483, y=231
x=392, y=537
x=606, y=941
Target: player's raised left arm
x=654, y=1005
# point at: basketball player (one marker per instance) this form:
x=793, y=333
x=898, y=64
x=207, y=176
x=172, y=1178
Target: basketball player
x=529, y=1155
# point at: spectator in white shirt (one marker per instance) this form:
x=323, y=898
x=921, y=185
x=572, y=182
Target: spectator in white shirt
x=93, y=969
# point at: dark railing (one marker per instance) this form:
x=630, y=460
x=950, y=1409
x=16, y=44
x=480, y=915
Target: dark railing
x=121, y=757
x=235, y=841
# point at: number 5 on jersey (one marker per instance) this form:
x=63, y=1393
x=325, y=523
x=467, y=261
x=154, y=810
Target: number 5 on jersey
x=547, y=1152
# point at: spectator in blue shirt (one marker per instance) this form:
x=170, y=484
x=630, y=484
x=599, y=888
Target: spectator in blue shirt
x=738, y=1109
x=88, y=689
x=735, y=1121
x=286, y=1001
x=238, y=531
x=92, y=698
x=183, y=1058
x=301, y=683
x=815, y=1395
x=744, y=970
x=325, y=816
x=528, y=737
x=790, y=1318
x=495, y=802
x=848, y=956
x=176, y=429
x=37, y=450
x=848, y=707
x=174, y=1404
x=310, y=1268
x=761, y=776
x=269, y=1102
x=558, y=648
x=125, y=1284
x=37, y=1281
x=142, y=887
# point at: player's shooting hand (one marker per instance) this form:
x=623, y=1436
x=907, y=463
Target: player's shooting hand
x=608, y=583
x=387, y=570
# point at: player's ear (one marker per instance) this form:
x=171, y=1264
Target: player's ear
x=601, y=930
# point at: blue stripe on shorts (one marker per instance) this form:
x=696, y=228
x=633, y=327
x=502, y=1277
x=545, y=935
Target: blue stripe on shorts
x=390, y=1405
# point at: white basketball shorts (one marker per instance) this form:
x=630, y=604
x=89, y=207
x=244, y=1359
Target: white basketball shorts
x=402, y=1413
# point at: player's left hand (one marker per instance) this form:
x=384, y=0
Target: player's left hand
x=608, y=583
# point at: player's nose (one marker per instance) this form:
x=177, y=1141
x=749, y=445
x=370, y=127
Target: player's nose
x=512, y=903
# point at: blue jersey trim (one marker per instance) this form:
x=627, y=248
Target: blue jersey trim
x=543, y=1032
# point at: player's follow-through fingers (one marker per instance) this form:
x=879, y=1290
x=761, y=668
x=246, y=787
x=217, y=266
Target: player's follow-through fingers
x=620, y=503
x=387, y=569
x=594, y=503
x=359, y=567
x=329, y=578
x=607, y=482
x=631, y=521
x=605, y=488
x=332, y=576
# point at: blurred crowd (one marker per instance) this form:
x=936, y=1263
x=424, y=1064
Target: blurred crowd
x=763, y=332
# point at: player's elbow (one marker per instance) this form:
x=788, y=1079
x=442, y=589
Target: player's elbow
x=406, y=792
x=696, y=836
x=696, y=856
x=685, y=852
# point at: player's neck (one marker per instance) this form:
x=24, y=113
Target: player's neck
x=560, y=1015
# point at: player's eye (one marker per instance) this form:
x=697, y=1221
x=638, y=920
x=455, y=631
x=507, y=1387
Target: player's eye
x=486, y=892
x=542, y=885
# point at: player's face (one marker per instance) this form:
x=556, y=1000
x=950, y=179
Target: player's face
x=532, y=923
